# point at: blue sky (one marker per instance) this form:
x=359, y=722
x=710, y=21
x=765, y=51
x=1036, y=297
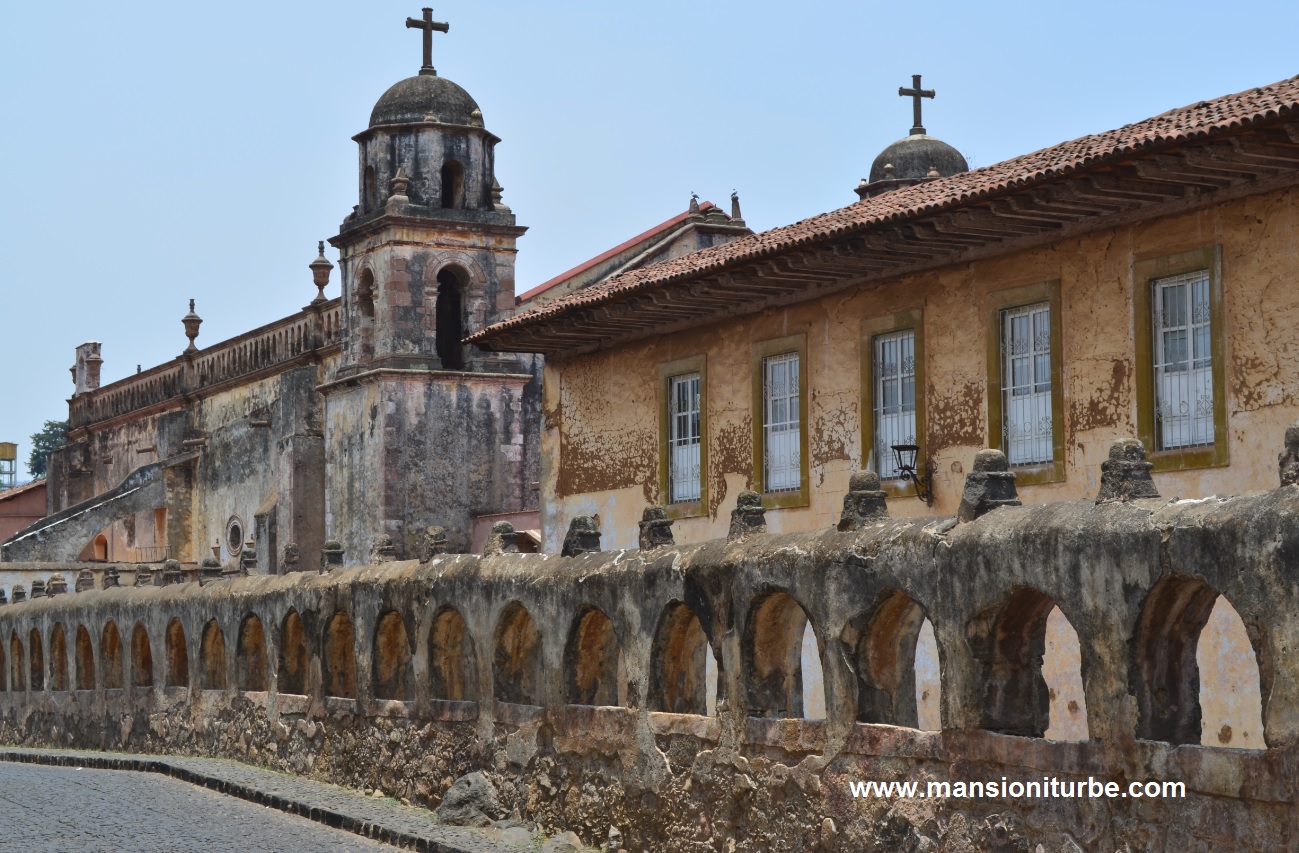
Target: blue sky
x=156, y=152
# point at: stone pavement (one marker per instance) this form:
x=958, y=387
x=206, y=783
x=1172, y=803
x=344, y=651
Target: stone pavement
x=74, y=810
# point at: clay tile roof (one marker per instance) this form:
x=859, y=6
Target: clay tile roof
x=1218, y=117
x=9, y=494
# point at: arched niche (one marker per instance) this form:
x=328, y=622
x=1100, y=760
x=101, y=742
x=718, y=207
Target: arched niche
x=17, y=672
x=782, y=674
x=450, y=312
x=85, y=660
x=250, y=655
x=177, y=654
x=451, y=656
x=58, y=658
x=141, y=657
x=291, y=677
x=110, y=656
x=453, y=185
x=595, y=672
x=339, y=646
x=884, y=646
x=516, y=657
x=212, y=657
x=393, y=676
x=681, y=678
x=36, y=661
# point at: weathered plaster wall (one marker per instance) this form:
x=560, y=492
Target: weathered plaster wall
x=600, y=438
x=395, y=704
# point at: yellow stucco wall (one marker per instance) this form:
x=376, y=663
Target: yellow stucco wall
x=601, y=429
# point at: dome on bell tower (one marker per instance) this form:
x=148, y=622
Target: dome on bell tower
x=915, y=158
x=423, y=97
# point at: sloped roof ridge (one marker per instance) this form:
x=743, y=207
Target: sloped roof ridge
x=1198, y=120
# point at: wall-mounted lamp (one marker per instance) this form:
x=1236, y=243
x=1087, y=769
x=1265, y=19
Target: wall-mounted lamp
x=906, y=459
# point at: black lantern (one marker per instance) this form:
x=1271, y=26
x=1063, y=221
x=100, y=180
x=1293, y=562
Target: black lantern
x=906, y=459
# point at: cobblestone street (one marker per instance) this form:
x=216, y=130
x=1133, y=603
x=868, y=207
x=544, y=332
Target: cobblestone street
x=69, y=809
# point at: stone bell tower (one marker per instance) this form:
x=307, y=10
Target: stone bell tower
x=421, y=429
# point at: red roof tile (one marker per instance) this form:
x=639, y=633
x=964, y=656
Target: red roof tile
x=1220, y=116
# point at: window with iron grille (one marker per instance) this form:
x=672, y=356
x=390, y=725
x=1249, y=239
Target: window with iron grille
x=1183, y=360
x=893, y=369
x=780, y=423
x=1026, y=425
x=684, y=472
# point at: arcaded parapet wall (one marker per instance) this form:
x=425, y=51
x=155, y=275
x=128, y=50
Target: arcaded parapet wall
x=581, y=684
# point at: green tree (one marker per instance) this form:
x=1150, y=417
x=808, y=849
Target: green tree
x=51, y=437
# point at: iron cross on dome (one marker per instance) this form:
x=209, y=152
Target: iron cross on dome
x=915, y=93
x=428, y=25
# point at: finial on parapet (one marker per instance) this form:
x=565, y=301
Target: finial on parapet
x=4, y=599
x=38, y=589
x=291, y=559
x=432, y=543
x=749, y=515
x=248, y=557
x=320, y=270
x=85, y=580
x=400, y=184
x=655, y=529
x=209, y=570
x=191, y=322
x=56, y=585
x=1288, y=462
x=736, y=218
x=583, y=537
x=111, y=578
x=382, y=550
x=500, y=540
x=694, y=204
x=143, y=576
x=864, y=501
x=989, y=485
x=1125, y=475
x=331, y=556
x=172, y=573
x=20, y=593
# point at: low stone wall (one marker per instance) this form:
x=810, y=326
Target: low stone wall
x=579, y=683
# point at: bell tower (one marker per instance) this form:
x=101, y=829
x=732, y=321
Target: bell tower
x=429, y=430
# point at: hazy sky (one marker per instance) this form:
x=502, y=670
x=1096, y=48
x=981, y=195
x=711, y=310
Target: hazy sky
x=155, y=152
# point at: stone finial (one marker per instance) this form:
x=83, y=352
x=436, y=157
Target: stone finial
x=498, y=191
x=749, y=515
x=655, y=529
x=291, y=558
x=38, y=589
x=320, y=270
x=209, y=570
x=400, y=184
x=1125, y=475
x=331, y=556
x=111, y=578
x=20, y=593
x=143, y=576
x=864, y=501
x=583, y=537
x=85, y=580
x=56, y=585
x=191, y=322
x=248, y=557
x=382, y=550
x=4, y=599
x=694, y=204
x=1288, y=461
x=989, y=485
x=432, y=543
x=172, y=573
x=501, y=540
x=736, y=218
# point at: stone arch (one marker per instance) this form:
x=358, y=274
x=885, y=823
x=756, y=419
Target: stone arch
x=393, y=678
x=516, y=659
x=36, y=661
x=882, y=646
x=340, y=656
x=449, y=312
x=85, y=655
x=366, y=294
x=595, y=671
x=58, y=658
x=1231, y=695
x=99, y=549
x=679, y=661
x=17, y=673
x=1020, y=677
x=141, y=657
x=291, y=677
x=110, y=655
x=177, y=654
x=1168, y=656
x=250, y=654
x=451, y=656
x=774, y=658
x=212, y=657
x=453, y=184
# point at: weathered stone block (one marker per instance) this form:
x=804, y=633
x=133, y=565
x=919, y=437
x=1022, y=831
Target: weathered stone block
x=112, y=577
x=172, y=573
x=1125, y=475
x=382, y=550
x=656, y=529
x=56, y=585
x=583, y=537
x=38, y=588
x=433, y=541
x=85, y=580
x=143, y=576
x=331, y=556
x=749, y=515
x=989, y=485
x=209, y=570
x=20, y=593
x=864, y=502
x=471, y=801
x=1288, y=462
x=501, y=540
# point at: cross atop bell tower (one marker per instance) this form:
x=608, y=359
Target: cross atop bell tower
x=915, y=93
x=428, y=25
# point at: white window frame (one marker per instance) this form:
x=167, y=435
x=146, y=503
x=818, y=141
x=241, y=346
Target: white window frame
x=1027, y=427
x=1182, y=349
x=781, y=427
x=685, y=474
x=893, y=374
